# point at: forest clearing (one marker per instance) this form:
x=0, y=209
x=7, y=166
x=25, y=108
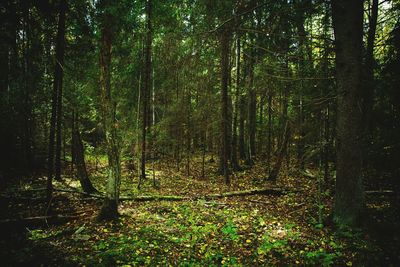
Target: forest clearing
x=199, y=133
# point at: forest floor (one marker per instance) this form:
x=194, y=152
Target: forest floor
x=254, y=230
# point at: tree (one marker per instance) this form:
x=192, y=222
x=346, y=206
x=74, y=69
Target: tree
x=78, y=156
x=225, y=36
x=368, y=91
x=234, y=158
x=109, y=209
x=146, y=88
x=348, y=24
x=56, y=114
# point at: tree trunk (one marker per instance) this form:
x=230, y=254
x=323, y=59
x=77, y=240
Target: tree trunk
x=137, y=155
x=188, y=131
x=273, y=175
x=269, y=144
x=79, y=158
x=224, y=42
x=59, y=68
x=234, y=159
x=242, y=112
x=368, y=92
x=252, y=113
x=146, y=88
x=109, y=210
x=56, y=102
x=302, y=73
x=348, y=29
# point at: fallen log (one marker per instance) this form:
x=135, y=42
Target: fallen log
x=379, y=192
x=94, y=195
x=153, y=198
x=38, y=218
x=14, y=223
x=264, y=191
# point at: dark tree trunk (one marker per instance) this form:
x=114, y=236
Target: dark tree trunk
x=326, y=85
x=234, y=158
x=79, y=158
x=28, y=85
x=55, y=122
x=146, y=88
x=348, y=29
x=203, y=160
x=252, y=113
x=260, y=133
x=273, y=175
x=368, y=90
x=109, y=210
x=224, y=42
x=326, y=146
x=269, y=142
x=302, y=73
x=242, y=113
x=59, y=68
x=188, y=132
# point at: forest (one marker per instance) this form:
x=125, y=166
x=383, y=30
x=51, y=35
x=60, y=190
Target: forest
x=199, y=133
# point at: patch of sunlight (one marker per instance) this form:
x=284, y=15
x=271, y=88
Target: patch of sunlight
x=278, y=233
x=26, y=187
x=380, y=206
x=72, y=182
x=126, y=211
x=149, y=173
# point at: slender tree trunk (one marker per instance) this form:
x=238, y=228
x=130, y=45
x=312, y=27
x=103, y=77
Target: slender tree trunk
x=146, y=88
x=59, y=68
x=137, y=154
x=269, y=144
x=73, y=161
x=153, y=122
x=348, y=29
x=56, y=102
x=109, y=210
x=242, y=143
x=260, y=133
x=28, y=118
x=188, y=131
x=326, y=86
x=224, y=42
x=137, y=125
x=252, y=113
x=302, y=73
x=203, y=160
x=234, y=159
x=326, y=145
x=368, y=89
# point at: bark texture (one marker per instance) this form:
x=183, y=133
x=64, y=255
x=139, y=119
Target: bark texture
x=109, y=209
x=224, y=40
x=368, y=90
x=55, y=120
x=146, y=88
x=79, y=160
x=348, y=22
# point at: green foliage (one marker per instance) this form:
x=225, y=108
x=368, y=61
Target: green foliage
x=270, y=244
x=39, y=234
x=230, y=230
x=278, y=241
x=320, y=257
